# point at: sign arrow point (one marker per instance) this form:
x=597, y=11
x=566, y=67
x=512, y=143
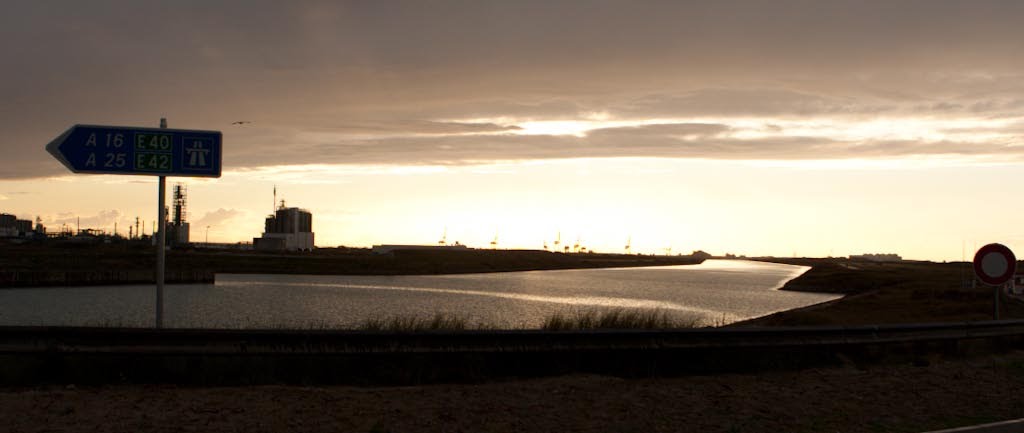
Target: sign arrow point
x=54, y=147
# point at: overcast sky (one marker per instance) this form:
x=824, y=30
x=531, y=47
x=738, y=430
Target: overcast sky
x=341, y=87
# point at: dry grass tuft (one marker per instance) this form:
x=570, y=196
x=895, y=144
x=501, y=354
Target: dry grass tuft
x=439, y=322
x=617, y=319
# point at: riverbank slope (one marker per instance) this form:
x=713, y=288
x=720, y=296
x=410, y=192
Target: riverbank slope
x=897, y=292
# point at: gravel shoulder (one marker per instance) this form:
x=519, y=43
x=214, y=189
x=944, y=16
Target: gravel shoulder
x=891, y=398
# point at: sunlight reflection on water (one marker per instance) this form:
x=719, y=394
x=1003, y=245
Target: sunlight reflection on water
x=716, y=291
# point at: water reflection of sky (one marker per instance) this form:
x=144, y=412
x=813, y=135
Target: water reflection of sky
x=713, y=292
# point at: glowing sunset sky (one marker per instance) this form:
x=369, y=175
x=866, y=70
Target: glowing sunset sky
x=760, y=128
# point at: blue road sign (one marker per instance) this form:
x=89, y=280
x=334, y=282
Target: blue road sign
x=129, y=150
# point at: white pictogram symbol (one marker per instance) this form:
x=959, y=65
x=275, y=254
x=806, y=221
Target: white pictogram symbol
x=197, y=154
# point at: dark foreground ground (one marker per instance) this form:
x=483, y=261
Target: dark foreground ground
x=893, y=398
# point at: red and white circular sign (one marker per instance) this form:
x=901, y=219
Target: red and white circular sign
x=995, y=264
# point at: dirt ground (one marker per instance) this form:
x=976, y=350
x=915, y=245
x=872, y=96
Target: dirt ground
x=892, y=398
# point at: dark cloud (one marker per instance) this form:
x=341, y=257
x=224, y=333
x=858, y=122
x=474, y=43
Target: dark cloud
x=706, y=141
x=299, y=69
x=750, y=102
x=416, y=127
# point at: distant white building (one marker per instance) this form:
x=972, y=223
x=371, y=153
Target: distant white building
x=288, y=229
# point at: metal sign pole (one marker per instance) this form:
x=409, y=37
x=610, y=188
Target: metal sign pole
x=995, y=302
x=161, y=244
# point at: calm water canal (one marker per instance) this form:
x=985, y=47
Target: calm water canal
x=713, y=292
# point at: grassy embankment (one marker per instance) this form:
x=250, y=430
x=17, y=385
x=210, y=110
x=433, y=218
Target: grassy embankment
x=876, y=293
x=619, y=318
x=58, y=264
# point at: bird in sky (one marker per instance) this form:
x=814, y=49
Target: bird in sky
x=241, y=122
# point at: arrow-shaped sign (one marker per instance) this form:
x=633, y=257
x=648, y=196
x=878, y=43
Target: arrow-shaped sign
x=129, y=150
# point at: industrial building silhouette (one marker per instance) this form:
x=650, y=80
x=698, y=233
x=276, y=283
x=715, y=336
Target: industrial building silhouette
x=178, y=228
x=287, y=229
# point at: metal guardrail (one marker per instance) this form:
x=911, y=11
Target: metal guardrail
x=33, y=355
x=228, y=341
